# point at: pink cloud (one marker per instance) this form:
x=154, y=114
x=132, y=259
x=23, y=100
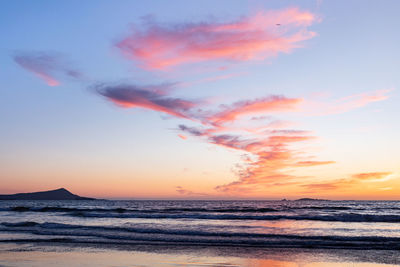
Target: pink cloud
x=287, y=132
x=345, y=104
x=278, y=140
x=47, y=66
x=250, y=107
x=270, y=146
x=270, y=153
x=212, y=79
x=271, y=156
x=267, y=33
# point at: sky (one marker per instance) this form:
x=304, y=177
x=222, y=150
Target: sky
x=201, y=99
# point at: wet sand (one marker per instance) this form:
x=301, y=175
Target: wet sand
x=44, y=255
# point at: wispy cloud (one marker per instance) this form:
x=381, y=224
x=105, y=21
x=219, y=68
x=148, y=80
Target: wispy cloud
x=345, y=104
x=269, y=145
x=353, y=180
x=271, y=157
x=269, y=150
x=309, y=163
x=372, y=176
x=192, y=130
x=47, y=66
x=154, y=97
x=184, y=137
x=267, y=159
x=186, y=192
x=264, y=105
x=212, y=79
x=265, y=34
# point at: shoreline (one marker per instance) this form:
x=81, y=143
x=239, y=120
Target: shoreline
x=195, y=245
x=32, y=254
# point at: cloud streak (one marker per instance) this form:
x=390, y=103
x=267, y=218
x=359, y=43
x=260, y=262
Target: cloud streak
x=147, y=97
x=353, y=180
x=270, y=154
x=183, y=191
x=313, y=163
x=47, y=66
x=267, y=157
x=263, y=35
x=345, y=104
x=274, y=158
x=270, y=104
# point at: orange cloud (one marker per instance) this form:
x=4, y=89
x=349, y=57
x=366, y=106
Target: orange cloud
x=353, y=180
x=46, y=66
x=313, y=163
x=186, y=192
x=269, y=168
x=270, y=158
x=184, y=137
x=322, y=186
x=257, y=37
x=371, y=175
x=269, y=147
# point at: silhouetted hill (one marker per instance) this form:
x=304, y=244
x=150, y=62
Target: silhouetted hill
x=58, y=194
x=311, y=199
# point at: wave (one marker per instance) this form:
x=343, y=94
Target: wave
x=133, y=235
x=123, y=210
x=20, y=224
x=132, y=229
x=64, y=209
x=243, y=213
x=343, y=217
x=175, y=210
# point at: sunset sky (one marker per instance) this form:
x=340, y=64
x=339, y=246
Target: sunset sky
x=201, y=99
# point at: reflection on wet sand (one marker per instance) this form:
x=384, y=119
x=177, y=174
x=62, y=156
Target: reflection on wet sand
x=32, y=255
x=276, y=263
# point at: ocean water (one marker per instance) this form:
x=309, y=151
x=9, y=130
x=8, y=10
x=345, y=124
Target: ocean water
x=271, y=224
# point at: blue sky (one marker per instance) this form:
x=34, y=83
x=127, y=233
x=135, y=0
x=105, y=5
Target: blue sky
x=71, y=136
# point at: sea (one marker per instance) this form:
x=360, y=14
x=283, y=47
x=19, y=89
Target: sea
x=271, y=224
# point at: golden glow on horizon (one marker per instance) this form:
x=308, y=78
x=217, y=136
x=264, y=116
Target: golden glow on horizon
x=255, y=144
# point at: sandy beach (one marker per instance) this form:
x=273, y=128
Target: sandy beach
x=23, y=255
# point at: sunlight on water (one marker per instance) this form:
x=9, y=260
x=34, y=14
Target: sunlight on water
x=238, y=231
x=115, y=258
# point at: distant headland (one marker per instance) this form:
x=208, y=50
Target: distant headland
x=58, y=194
x=311, y=199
